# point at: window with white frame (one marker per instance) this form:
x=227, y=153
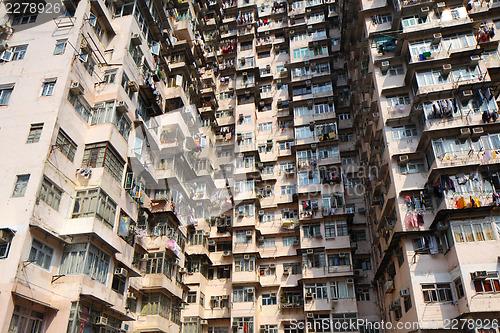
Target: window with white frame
x=243, y=325
x=414, y=166
x=242, y=237
x=472, y=231
x=437, y=292
x=290, y=240
x=314, y=260
x=244, y=264
x=342, y=289
x=48, y=87
x=246, y=210
x=60, y=46
x=86, y=259
x=263, y=127
x=26, y=320
x=18, y=52
x=406, y=131
x=318, y=290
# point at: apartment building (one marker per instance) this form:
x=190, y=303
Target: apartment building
x=182, y=166
x=427, y=88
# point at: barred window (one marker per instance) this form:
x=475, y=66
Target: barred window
x=103, y=155
x=35, y=133
x=50, y=193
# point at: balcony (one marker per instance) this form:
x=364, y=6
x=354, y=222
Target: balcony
x=244, y=277
x=161, y=281
x=403, y=146
x=398, y=112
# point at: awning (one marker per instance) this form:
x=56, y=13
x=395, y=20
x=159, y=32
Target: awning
x=34, y=300
x=105, y=307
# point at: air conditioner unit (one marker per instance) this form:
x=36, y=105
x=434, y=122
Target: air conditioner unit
x=384, y=66
x=102, y=321
x=125, y=327
x=309, y=295
x=313, y=146
x=260, y=165
x=286, y=271
x=203, y=322
x=272, y=265
x=182, y=270
x=121, y=272
x=424, y=11
x=76, y=88
x=145, y=257
x=262, y=103
x=249, y=233
x=477, y=131
x=388, y=286
x=211, y=242
x=296, y=242
x=132, y=295
x=474, y=60
x=226, y=253
x=121, y=106
x=310, y=315
x=4, y=236
x=479, y=275
x=464, y=133
x=441, y=6
x=136, y=39
x=246, y=257
x=342, y=254
x=436, y=38
x=250, y=291
x=286, y=210
x=357, y=272
x=241, y=213
x=308, y=82
x=446, y=69
x=292, y=32
x=261, y=239
x=404, y=292
x=467, y=95
x=261, y=212
x=403, y=159
x=310, y=251
x=3, y=46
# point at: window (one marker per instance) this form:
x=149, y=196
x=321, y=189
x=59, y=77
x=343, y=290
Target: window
x=243, y=294
x=5, y=92
x=241, y=237
x=342, y=289
x=288, y=189
x=398, y=100
x=50, y=194
x=243, y=325
x=491, y=284
x=80, y=105
x=268, y=242
x=5, y=245
x=244, y=46
x=25, y=320
x=474, y=231
x=156, y=304
x=48, y=88
x=342, y=228
x=95, y=202
x=103, y=155
x=394, y=70
x=246, y=210
x=18, y=52
x=218, y=330
x=330, y=229
x=21, y=185
x=313, y=260
x=381, y=19
x=265, y=127
x=269, y=299
x=66, y=145
x=312, y=230
x=459, y=287
x=191, y=298
x=108, y=112
x=318, y=290
x=339, y=259
x=41, y=254
x=412, y=167
x=406, y=131
x=85, y=258
x=118, y=283
x=346, y=322
x=60, y=46
x=24, y=18
x=35, y=133
x=290, y=241
x=244, y=265
x=437, y=292
x=362, y=294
